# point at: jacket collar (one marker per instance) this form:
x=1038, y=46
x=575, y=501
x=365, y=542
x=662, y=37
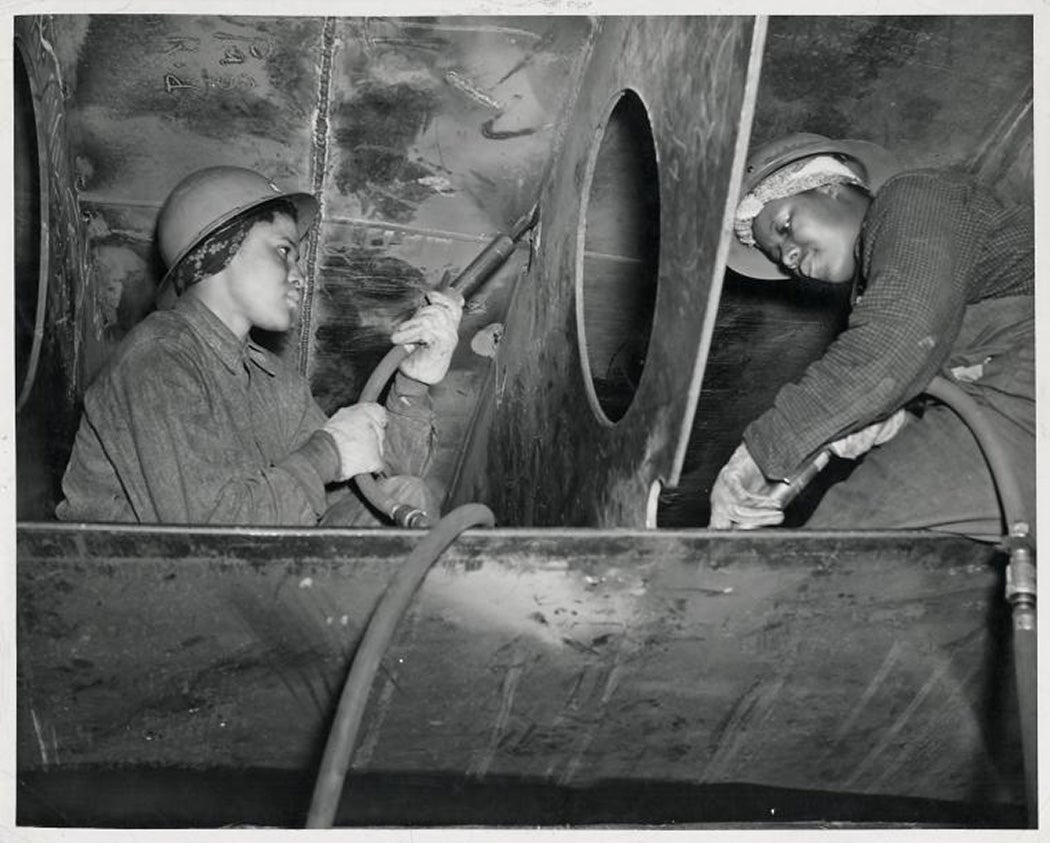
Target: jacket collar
x=231, y=350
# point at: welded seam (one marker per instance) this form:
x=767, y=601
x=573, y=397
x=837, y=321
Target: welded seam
x=318, y=165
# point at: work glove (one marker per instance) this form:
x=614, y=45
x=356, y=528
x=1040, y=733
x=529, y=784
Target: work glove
x=430, y=335
x=852, y=446
x=358, y=432
x=741, y=495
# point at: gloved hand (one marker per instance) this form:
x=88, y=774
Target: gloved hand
x=358, y=432
x=738, y=498
x=860, y=442
x=430, y=335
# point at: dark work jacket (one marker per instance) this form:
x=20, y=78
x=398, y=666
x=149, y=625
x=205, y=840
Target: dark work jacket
x=187, y=424
x=932, y=243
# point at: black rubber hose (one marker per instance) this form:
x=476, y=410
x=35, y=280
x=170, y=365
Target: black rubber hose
x=1011, y=500
x=1022, y=600
x=343, y=736
x=467, y=283
x=1020, y=593
x=401, y=514
x=1025, y=678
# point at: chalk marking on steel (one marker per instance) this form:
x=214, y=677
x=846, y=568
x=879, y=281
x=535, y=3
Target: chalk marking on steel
x=918, y=739
x=571, y=703
x=596, y=722
x=39, y=738
x=387, y=226
x=123, y=201
x=382, y=707
x=616, y=258
x=468, y=87
x=898, y=725
x=876, y=683
x=367, y=747
x=452, y=27
x=482, y=761
x=754, y=707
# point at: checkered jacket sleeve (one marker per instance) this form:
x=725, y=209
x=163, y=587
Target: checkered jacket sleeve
x=931, y=243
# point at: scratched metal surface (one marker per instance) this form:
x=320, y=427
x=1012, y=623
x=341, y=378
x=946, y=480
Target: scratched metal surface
x=538, y=453
x=427, y=136
x=64, y=257
x=854, y=663
x=439, y=133
x=927, y=86
x=422, y=138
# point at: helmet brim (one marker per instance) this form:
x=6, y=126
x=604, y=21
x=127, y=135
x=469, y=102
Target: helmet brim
x=878, y=163
x=306, y=209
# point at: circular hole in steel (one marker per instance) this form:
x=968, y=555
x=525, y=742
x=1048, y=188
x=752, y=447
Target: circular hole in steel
x=617, y=264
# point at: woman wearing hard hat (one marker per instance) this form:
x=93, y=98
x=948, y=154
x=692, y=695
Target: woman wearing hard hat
x=943, y=277
x=192, y=422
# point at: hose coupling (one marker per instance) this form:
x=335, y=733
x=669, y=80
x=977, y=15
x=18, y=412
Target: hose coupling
x=1021, y=585
x=406, y=515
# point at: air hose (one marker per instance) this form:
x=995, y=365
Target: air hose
x=467, y=283
x=1020, y=572
x=342, y=737
x=380, y=629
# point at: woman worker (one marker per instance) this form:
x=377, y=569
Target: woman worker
x=942, y=274
x=190, y=422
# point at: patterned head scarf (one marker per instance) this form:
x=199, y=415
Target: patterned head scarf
x=215, y=251
x=796, y=177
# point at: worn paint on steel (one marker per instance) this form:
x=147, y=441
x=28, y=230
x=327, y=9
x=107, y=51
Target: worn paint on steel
x=853, y=663
x=417, y=184
x=66, y=354
x=927, y=87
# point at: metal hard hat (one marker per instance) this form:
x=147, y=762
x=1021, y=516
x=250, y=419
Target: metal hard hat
x=208, y=199
x=876, y=163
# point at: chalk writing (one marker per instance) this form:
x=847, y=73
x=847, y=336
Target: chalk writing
x=258, y=46
x=461, y=83
x=174, y=83
x=215, y=82
x=491, y=133
x=183, y=44
x=233, y=55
